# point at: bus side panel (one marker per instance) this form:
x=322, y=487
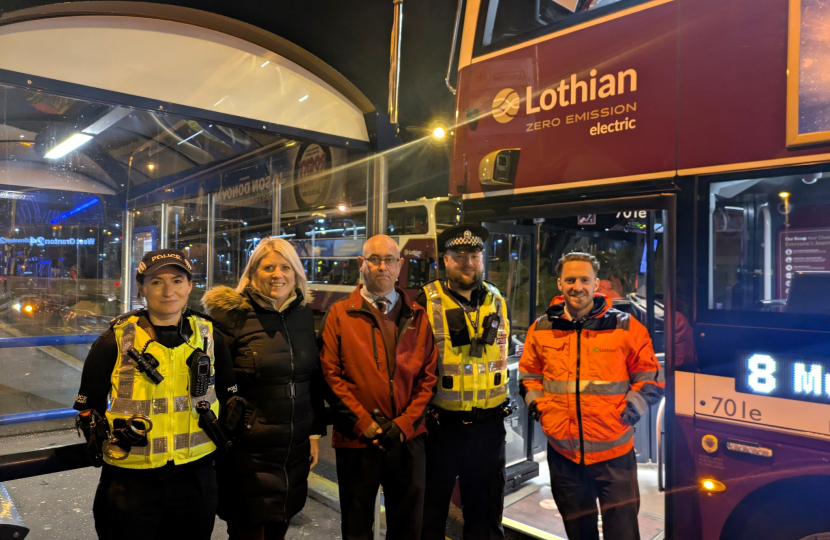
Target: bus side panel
x=632, y=132
x=733, y=83
x=742, y=474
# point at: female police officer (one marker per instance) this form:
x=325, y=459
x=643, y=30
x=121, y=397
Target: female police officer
x=153, y=375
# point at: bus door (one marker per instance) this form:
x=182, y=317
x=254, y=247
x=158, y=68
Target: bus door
x=522, y=257
x=510, y=264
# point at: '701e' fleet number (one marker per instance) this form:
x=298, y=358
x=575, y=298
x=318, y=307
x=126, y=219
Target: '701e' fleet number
x=733, y=409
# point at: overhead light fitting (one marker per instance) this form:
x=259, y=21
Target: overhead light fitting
x=77, y=140
x=70, y=144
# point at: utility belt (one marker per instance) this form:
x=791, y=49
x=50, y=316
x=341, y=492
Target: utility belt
x=467, y=417
x=171, y=470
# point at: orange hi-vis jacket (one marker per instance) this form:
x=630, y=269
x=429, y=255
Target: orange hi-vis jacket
x=582, y=375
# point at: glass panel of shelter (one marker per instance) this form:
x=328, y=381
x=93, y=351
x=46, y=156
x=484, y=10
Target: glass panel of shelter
x=62, y=217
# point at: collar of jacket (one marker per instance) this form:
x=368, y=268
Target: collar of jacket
x=599, y=318
x=268, y=303
x=356, y=302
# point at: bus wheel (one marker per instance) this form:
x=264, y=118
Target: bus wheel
x=784, y=510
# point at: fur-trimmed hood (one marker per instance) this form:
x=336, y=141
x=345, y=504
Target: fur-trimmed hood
x=222, y=298
x=227, y=307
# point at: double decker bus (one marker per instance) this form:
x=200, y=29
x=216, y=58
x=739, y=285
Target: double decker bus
x=329, y=242
x=686, y=144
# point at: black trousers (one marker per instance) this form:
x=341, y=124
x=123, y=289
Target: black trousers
x=172, y=502
x=473, y=453
x=360, y=471
x=576, y=489
x=259, y=531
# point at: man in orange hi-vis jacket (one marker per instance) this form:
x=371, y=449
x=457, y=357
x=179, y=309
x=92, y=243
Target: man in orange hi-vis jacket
x=588, y=372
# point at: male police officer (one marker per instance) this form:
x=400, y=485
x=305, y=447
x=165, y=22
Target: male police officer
x=466, y=428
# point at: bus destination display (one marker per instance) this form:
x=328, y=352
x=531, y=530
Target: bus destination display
x=784, y=376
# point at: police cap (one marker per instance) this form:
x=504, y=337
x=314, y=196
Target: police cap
x=153, y=260
x=463, y=237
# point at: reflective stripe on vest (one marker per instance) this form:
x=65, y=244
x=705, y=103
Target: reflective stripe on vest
x=176, y=435
x=473, y=379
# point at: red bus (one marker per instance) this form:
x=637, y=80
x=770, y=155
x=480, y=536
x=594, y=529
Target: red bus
x=686, y=143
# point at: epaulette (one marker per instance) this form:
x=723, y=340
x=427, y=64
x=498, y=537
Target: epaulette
x=188, y=312
x=125, y=316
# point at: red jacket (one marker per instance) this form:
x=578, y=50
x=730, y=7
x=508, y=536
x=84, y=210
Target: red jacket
x=583, y=374
x=357, y=369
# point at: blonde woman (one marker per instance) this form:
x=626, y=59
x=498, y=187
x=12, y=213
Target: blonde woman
x=270, y=332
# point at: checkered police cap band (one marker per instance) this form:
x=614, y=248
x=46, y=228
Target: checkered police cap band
x=467, y=240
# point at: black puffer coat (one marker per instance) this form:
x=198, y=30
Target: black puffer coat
x=265, y=477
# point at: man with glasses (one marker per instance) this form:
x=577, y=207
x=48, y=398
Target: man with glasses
x=466, y=422
x=378, y=356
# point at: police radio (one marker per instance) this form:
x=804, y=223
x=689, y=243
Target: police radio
x=490, y=328
x=199, y=363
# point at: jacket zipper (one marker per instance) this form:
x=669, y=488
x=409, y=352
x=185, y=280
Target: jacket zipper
x=375, y=348
x=388, y=368
x=291, y=425
x=578, y=326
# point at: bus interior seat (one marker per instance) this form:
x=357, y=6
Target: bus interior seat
x=809, y=293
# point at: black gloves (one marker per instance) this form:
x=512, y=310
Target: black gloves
x=391, y=438
x=630, y=415
x=533, y=411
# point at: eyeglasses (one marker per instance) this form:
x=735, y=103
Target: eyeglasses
x=390, y=262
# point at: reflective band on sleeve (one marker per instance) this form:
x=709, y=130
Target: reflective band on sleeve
x=602, y=388
x=532, y=396
x=661, y=376
x=638, y=376
x=181, y=404
x=603, y=446
x=637, y=401
x=450, y=369
x=524, y=375
x=197, y=438
x=160, y=445
x=160, y=406
x=499, y=366
x=499, y=391
x=129, y=406
x=125, y=387
x=180, y=441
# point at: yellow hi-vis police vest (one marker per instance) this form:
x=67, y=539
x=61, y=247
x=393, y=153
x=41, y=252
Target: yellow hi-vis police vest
x=476, y=382
x=176, y=435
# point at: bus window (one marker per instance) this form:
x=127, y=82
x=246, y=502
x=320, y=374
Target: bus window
x=501, y=20
x=407, y=220
x=447, y=214
x=419, y=272
x=769, y=244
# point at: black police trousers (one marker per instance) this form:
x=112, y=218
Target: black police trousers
x=171, y=502
x=361, y=471
x=473, y=453
x=576, y=489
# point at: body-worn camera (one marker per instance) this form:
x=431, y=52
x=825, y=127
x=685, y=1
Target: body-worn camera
x=146, y=363
x=490, y=330
x=199, y=363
